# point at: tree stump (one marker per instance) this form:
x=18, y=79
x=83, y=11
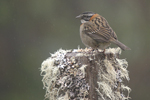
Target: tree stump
x=85, y=74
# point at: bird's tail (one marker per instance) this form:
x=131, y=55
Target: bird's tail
x=121, y=45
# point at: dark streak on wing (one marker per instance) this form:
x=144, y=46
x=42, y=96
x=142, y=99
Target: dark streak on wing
x=97, y=24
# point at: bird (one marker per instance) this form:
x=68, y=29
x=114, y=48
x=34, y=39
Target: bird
x=95, y=32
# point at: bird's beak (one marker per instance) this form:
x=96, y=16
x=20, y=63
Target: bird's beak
x=79, y=16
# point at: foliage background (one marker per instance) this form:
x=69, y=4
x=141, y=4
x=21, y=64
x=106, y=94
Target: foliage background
x=32, y=29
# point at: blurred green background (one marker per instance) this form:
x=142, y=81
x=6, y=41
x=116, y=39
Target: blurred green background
x=32, y=29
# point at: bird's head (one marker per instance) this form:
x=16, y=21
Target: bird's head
x=85, y=16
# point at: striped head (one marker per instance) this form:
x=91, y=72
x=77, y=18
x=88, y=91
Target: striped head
x=85, y=16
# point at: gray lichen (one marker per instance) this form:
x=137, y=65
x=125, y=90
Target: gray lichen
x=64, y=76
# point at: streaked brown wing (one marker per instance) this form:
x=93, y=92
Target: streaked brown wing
x=101, y=35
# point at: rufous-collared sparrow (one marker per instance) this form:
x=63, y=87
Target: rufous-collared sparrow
x=95, y=32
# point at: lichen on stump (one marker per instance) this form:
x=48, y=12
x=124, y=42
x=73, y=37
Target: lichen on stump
x=85, y=74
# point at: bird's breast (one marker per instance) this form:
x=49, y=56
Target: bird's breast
x=87, y=40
